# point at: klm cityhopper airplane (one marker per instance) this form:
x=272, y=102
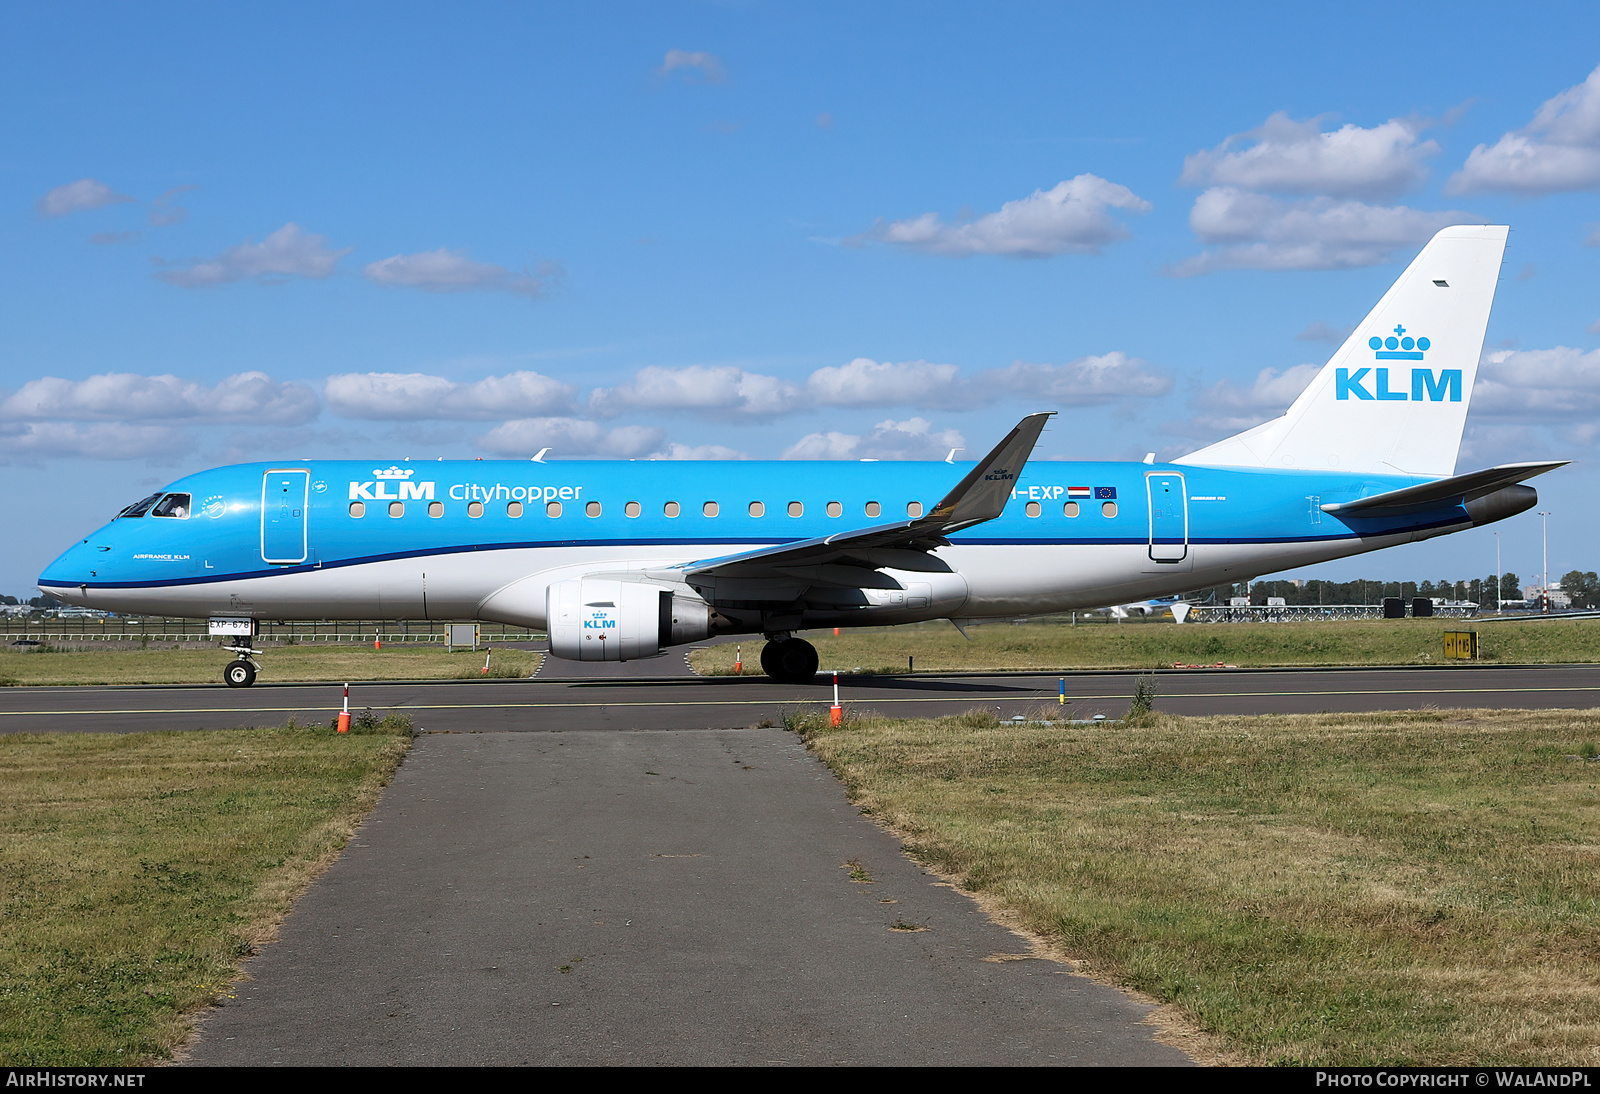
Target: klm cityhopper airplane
x=620, y=560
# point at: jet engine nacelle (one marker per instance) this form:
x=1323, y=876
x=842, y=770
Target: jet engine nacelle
x=602, y=619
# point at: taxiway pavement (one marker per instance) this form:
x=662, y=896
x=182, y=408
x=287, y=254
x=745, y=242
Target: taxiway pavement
x=617, y=702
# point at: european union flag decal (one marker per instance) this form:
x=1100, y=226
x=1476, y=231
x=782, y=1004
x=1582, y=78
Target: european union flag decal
x=1105, y=493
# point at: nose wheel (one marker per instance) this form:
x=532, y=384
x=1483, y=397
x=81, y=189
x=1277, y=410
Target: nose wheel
x=791, y=661
x=240, y=673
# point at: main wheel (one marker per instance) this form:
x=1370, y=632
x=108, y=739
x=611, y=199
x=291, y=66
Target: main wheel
x=795, y=661
x=239, y=674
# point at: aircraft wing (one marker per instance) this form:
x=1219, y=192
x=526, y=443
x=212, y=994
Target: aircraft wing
x=852, y=559
x=1458, y=489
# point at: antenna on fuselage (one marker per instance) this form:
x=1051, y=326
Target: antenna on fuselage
x=538, y=457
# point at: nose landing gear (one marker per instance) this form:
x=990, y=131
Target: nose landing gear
x=240, y=672
x=789, y=660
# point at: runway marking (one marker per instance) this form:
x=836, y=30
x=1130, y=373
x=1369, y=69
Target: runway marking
x=969, y=699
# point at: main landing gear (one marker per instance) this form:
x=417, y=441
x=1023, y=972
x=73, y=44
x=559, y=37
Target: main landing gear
x=241, y=672
x=789, y=660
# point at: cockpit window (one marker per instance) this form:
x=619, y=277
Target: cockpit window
x=137, y=509
x=173, y=505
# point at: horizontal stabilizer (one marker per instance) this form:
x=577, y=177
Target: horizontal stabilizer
x=1458, y=490
x=851, y=559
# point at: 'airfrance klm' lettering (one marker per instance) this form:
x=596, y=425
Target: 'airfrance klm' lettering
x=1424, y=387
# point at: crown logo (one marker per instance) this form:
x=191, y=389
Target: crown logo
x=1399, y=346
x=394, y=472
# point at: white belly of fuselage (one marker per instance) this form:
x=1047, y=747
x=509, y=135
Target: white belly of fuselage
x=1001, y=580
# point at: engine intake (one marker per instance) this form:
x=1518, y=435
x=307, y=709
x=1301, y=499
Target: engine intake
x=602, y=619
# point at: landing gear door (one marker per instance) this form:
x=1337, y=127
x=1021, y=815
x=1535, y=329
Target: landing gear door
x=283, y=515
x=1169, y=522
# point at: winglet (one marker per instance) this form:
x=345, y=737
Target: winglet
x=983, y=494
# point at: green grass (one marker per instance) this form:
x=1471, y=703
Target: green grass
x=1050, y=647
x=203, y=665
x=136, y=871
x=1414, y=888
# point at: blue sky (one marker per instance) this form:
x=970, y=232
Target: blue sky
x=240, y=232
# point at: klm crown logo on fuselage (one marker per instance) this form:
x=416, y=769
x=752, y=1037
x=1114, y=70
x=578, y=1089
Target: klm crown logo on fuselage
x=1425, y=385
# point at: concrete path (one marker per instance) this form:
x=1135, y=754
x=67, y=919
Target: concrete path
x=649, y=897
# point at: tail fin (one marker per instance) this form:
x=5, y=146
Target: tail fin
x=1394, y=398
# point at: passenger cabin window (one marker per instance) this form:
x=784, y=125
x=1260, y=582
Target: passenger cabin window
x=1070, y=509
x=835, y=509
x=553, y=509
x=758, y=509
x=1109, y=509
x=710, y=509
x=593, y=509
x=1034, y=509
x=358, y=509
x=474, y=509
x=796, y=509
x=173, y=505
x=671, y=509
x=632, y=509
x=397, y=508
x=436, y=509
x=874, y=509
x=140, y=507
x=513, y=509
x=913, y=508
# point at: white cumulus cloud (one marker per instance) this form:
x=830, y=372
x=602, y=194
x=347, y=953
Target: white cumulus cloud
x=291, y=251
x=414, y=396
x=1558, y=150
x=1074, y=216
x=912, y=439
x=1226, y=407
x=1286, y=156
x=864, y=382
x=1259, y=232
x=75, y=197
x=1538, y=386
x=1088, y=381
x=103, y=441
x=452, y=271
x=569, y=437
x=715, y=389
x=677, y=451
x=247, y=397
x=707, y=64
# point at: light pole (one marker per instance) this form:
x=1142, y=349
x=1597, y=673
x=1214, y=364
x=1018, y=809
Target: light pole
x=1544, y=578
x=1497, y=573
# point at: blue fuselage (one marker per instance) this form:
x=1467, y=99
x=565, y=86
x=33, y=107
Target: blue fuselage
x=439, y=539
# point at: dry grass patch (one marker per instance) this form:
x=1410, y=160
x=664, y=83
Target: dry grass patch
x=1052, y=647
x=195, y=663
x=137, y=870
x=1315, y=889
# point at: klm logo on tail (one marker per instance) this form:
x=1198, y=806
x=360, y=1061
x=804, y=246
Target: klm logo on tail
x=1399, y=346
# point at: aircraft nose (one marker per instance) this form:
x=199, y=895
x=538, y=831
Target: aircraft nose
x=66, y=577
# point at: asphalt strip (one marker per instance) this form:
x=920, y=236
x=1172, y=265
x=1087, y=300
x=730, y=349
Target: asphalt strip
x=692, y=897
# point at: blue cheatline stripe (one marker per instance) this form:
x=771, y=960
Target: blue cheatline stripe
x=1033, y=541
